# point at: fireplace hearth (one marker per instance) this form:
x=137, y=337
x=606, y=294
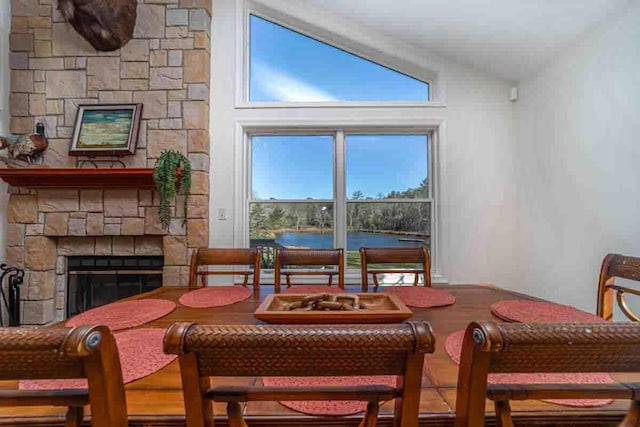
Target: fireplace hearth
x=93, y=281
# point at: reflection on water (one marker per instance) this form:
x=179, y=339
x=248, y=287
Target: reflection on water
x=355, y=240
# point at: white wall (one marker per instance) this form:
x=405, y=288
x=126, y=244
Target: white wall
x=578, y=163
x=478, y=224
x=5, y=25
x=477, y=228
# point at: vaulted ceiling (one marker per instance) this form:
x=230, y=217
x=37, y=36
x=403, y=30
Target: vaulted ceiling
x=508, y=38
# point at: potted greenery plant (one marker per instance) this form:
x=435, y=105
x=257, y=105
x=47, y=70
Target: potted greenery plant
x=172, y=175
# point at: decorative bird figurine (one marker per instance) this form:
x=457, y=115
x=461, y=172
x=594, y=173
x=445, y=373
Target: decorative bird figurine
x=106, y=24
x=26, y=147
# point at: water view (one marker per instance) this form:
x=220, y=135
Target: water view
x=310, y=225
x=355, y=240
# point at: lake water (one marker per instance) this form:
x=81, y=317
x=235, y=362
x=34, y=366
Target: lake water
x=354, y=240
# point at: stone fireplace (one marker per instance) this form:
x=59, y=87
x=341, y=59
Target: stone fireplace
x=53, y=70
x=47, y=226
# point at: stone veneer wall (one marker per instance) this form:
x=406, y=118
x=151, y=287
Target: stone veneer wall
x=53, y=70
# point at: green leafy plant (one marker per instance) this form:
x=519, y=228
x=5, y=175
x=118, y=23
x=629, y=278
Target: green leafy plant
x=172, y=175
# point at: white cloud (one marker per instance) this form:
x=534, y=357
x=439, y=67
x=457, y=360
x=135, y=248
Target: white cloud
x=285, y=87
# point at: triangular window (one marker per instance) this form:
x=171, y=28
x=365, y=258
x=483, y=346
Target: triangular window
x=287, y=66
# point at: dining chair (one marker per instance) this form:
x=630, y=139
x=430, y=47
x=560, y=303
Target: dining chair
x=490, y=347
x=403, y=256
x=202, y=258
x=309, y=262
x=624, y=267
x=206, y=351
x=61, y=353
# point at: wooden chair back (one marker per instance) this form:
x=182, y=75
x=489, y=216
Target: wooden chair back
x=625, y=267
x=379, y=256
x=490, y=347
x=311, y=350
x=286, y=257
x=204, y=257
x=59, y=353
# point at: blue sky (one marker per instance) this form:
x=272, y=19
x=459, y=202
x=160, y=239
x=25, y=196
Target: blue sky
x=288, y=66
x=301, y=166
x=383, y=163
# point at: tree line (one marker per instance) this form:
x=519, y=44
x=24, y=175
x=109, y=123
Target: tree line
x=267, y=218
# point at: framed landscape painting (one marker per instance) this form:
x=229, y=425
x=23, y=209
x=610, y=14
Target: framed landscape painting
x=106, y=130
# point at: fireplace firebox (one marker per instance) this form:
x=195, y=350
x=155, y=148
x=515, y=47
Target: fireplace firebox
x=93, y=281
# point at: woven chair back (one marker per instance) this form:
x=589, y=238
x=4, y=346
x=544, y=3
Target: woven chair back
x=207, y=351
x=624, y=267
x=490, y=347
x=248, y=258
x=61, y=353
x=308, y=258
x=372, y=261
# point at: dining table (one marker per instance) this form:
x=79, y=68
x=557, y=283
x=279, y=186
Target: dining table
x=156, y=400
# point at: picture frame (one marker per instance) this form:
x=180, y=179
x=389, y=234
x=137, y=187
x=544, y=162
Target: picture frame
x=106, y=130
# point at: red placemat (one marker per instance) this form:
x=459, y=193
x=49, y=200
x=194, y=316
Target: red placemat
x=215, y=296
x=328, y=407
x=453, y=346
x=140, y=353
x=420, y=296
x=313, y=289
x=124, y=314
x=539, y=311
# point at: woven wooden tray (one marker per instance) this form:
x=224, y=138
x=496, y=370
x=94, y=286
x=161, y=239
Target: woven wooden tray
x=382, y=309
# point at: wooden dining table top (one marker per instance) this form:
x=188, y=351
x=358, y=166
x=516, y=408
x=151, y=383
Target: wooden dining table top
x=157, y=399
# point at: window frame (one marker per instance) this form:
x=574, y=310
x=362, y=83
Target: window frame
x=287, y=20
x=340, y=199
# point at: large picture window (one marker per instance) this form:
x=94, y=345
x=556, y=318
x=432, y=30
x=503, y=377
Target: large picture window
x=287, y=66
x=304, y=194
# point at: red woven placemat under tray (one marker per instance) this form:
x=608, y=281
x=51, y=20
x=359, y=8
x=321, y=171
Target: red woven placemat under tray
x=140, y=353
x=453, y=346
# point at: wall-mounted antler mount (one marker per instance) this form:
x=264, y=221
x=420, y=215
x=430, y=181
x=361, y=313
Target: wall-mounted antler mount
x=106, y=24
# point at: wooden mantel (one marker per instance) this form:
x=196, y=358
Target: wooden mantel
x=79, y=178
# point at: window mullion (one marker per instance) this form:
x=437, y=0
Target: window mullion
x=432, y=146
x=247, y=189
x=340, y=204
